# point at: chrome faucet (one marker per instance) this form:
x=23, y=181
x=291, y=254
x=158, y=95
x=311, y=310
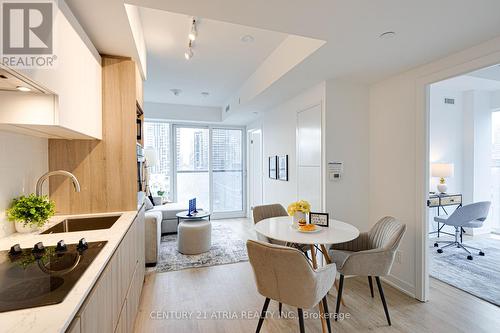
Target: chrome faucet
x=40, y=181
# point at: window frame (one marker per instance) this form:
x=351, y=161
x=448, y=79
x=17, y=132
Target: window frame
x=173, y=163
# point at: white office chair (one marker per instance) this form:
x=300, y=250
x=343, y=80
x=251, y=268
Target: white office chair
x=468, y=216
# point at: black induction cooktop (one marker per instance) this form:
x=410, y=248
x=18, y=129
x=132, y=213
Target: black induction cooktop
x=42, y=275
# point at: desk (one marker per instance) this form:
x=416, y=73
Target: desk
x=440, y=201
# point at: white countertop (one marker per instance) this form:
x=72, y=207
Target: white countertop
x=57, y=318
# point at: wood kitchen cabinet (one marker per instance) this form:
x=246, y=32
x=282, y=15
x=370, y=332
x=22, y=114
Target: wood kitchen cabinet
x=106, y=169
x=113, y=302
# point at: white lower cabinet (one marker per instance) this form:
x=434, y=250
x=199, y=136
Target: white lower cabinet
x=113, y=303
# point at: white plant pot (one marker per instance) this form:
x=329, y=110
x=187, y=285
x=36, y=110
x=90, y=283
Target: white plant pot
x=297, y=217
x=21, y=228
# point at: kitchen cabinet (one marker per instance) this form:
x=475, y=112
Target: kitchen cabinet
x=107, y=169
x=114, y=301
x=73, y=87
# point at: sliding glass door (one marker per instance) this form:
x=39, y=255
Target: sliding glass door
x=192, y=165
x=209, y=167
x=227, y=170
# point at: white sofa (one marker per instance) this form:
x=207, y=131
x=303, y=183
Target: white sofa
x=152, y=226
x=159, y=220
x=169, y=219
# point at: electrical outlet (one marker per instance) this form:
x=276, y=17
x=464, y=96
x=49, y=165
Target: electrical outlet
x=398, y=257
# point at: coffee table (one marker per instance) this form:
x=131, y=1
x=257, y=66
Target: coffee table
x=202, y=214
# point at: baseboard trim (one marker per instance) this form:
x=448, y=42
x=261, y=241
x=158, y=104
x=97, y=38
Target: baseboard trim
x=399, y=284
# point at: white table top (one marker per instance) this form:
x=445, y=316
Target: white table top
x=201, y=214
x=279, y=228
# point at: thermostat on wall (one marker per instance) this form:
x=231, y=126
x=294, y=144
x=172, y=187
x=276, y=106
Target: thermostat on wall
x=335, y=170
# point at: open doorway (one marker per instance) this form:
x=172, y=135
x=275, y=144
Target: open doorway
x=464, y=199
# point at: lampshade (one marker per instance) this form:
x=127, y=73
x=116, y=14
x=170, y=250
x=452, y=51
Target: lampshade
x=151, y=157
x=442, y=170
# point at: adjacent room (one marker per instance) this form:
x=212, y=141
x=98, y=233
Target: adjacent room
x=464, y=206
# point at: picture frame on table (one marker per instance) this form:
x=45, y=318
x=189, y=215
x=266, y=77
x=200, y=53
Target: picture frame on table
x=319, y=219
x=283, y=167
x=273, y=164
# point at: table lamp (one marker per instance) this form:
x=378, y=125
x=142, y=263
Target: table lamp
x=442, y=171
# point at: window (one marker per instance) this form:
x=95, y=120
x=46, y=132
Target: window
x=198, y=162
x=227, y=168
x=192, y=165
x=157, y=136
x=495, y=170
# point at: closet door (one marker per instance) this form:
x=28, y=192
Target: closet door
x=309, y=156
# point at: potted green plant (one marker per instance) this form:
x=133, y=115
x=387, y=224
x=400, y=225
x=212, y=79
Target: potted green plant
x=30, y=212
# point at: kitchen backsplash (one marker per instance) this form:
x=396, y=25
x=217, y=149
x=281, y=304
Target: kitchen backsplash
x=22, y=160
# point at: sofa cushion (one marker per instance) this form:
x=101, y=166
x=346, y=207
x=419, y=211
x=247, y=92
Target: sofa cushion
x=148, y=204
x=169, y=210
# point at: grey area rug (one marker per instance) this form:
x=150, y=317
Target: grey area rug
x=479, y=277
x=227, y=248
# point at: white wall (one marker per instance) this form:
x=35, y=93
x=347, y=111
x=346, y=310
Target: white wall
x=23, y=160
x=495, y=100
x=278, y=133
x=180, y=112
x=397, y=146
x=478, y=155
x=347, y=134
x=446, y=141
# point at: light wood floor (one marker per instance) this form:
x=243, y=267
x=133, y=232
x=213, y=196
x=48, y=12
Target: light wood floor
x=224, y=299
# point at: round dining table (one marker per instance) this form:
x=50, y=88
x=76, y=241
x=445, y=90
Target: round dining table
x=280, y=228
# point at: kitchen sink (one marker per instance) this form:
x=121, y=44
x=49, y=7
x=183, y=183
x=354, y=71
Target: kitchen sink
x=83, y=224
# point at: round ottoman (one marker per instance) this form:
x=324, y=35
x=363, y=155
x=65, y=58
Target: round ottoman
x=194, y=237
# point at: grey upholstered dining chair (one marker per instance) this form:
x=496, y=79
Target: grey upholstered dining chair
x=371, y=254
x=468, y=216
x=285, y=275
x=267, y=211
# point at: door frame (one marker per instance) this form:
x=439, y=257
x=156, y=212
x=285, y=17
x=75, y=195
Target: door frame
x=422, y=133
x=210, y=127
x=249, y=185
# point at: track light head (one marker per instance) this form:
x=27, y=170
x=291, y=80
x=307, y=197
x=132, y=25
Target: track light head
x=194, y=32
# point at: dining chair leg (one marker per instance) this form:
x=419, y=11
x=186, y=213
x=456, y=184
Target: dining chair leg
x=339, y=296
x=280, y=306
x=327, y=314
x=262, y=315
x=301, y=321
x=371, y=285
x=381, y=291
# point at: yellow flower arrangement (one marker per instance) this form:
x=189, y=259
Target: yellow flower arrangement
x=299, y=206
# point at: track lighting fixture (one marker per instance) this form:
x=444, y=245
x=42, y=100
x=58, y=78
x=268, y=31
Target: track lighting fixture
x=194, y=32
x=189, y=52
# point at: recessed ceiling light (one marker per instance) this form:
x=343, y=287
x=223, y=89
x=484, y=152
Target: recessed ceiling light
x=23, y=89
x=176, y=92
x=205, y=93
x=387, y=35
x=247, y=39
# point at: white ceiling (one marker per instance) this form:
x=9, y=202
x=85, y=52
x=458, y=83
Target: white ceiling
x=426, y=30
x=221, y=62
x=490, y=73
x=468, y=82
